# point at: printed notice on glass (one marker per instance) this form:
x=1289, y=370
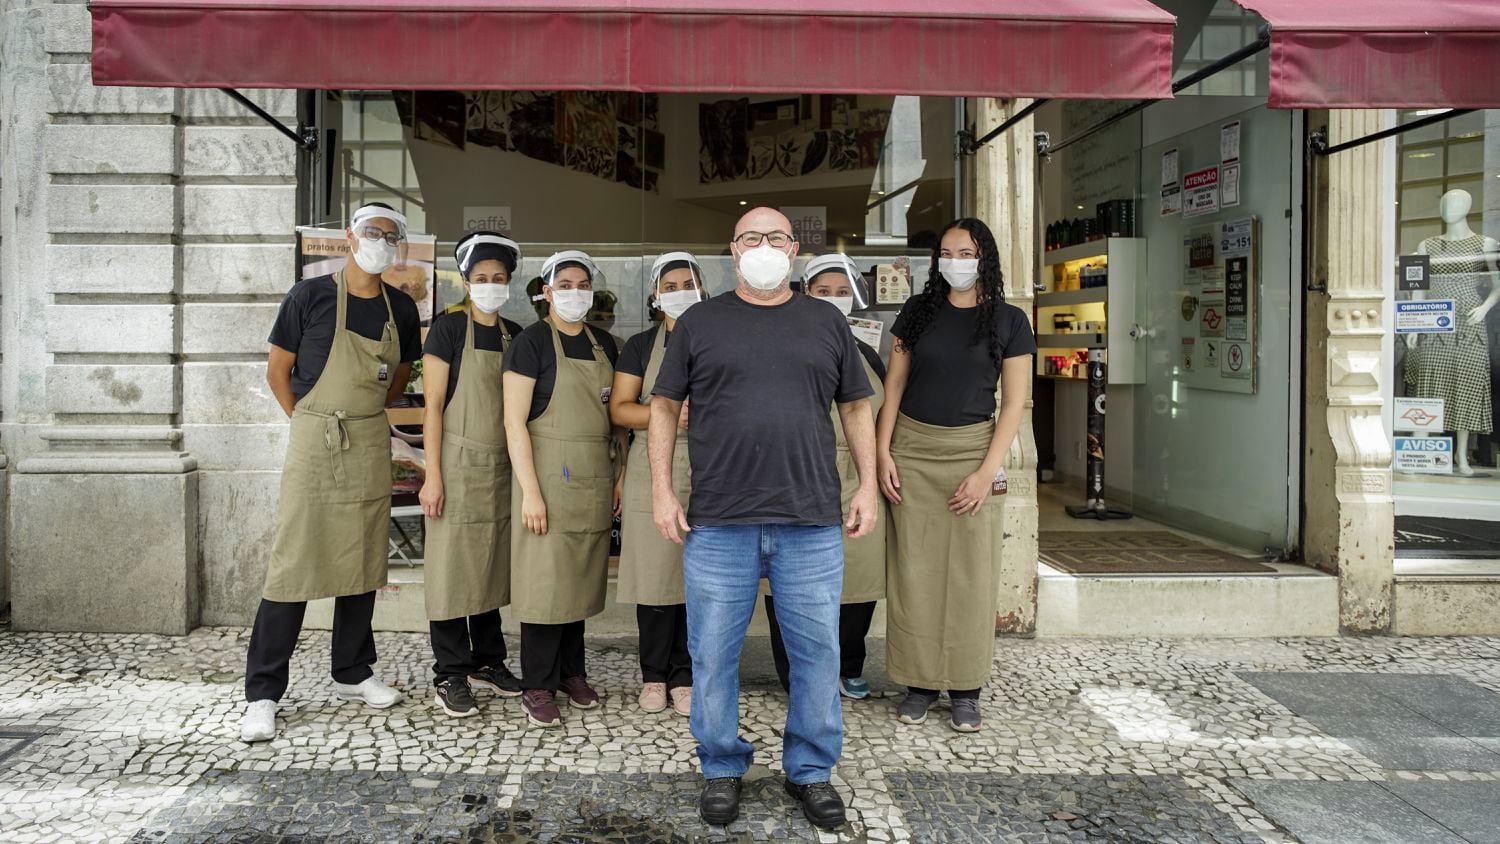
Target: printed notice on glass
x=1229, y=186
x=1424, y=455
x=1229, y=142
x=1169, y=168
x=868, y=330
x=1414, y=272
x=1236, y=237
x=1200, y=192
x=1171, y=201
x=892, y=283
x=1425, y=316
x=1419, y=415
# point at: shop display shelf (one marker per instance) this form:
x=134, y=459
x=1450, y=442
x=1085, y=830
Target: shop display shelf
x=1077, y=252
x=1065, y=298
x=1079, y=340
x=1063, y=377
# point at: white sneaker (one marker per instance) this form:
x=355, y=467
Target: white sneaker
x=259, y=721
x=373, y=692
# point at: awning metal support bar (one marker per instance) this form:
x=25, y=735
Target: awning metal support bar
x=967, y=145
x=307, y=138
x=1261, y=42
x=1318, y=142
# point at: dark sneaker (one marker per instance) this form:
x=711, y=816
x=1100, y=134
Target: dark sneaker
x=913, y=710
x=541, y=709
x=719, y=804
x=966, y=714
x=497, y=679
x=580, y=694
x=821, y=804
x=456, y=698
x=854, y=688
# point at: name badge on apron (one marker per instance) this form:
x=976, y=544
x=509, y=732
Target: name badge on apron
x=383, y=373
x=604, y=394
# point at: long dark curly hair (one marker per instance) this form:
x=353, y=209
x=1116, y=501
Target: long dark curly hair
x=924, y=306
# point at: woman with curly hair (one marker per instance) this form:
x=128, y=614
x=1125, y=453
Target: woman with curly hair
x=941, y=446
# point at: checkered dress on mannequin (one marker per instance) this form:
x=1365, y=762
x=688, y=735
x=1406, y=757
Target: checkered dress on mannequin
x=1455, y=367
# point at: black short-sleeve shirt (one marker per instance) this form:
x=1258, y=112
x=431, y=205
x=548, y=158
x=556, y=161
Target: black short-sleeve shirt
x=305, y=324
x=531, y=354
x=445, y=339
x=636, y=356
x=762, y=380
x=953, y=379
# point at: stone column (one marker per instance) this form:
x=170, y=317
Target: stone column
x=146, y=237
x=1005, y=197
x=1350, y=507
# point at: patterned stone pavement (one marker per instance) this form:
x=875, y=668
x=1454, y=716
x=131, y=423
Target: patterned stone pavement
x=135, y=738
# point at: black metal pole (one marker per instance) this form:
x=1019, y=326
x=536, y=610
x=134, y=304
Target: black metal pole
x=266, y=116
x=1320, y=144
x=1009, y=122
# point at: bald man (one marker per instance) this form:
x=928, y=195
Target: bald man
x=762, y=366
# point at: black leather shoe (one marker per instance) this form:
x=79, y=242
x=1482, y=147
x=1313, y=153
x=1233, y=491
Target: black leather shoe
x=720, y=803
x=820, y=803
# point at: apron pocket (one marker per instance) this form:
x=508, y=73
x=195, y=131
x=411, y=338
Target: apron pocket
x=581, y=505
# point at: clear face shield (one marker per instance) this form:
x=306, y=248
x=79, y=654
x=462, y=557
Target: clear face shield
x=573, y=278
x=837, y=279
x=378, y=237
x=487, y=274
x=676, y=283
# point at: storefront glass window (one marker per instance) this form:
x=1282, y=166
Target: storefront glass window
x=628, y=176
x=1447, y=335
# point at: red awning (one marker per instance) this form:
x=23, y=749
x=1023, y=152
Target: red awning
x=1108, y=49
x=1383, y=53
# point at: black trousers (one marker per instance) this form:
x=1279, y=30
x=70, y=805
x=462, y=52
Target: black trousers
x=959, y=694
x=274, y=638
x=462, y=646
x=664, y=648
x=550, y=653
x=854, y=626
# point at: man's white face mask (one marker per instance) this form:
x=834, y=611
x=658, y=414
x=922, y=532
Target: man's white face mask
x=765, y=267
x=374, y=256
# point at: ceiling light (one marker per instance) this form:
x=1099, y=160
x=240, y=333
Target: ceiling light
x=1080, y=208
x=743, y=202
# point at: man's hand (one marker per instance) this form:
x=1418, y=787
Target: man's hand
x=864, y=512
x=666, y=511
x=431, y=496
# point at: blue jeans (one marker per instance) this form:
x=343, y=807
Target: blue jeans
x=722, y=567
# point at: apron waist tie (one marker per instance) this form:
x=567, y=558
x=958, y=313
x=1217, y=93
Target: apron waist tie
x=336, y=435
x=476, y=445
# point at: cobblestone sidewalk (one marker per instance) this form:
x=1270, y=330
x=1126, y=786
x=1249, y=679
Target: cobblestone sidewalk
x=135, y=738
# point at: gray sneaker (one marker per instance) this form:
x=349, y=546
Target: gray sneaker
x=913, y=710
x=966, y=714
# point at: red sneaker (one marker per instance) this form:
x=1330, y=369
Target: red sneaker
x=541, y=709
x=580, y=694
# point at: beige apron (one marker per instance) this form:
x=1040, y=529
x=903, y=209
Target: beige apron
x=650, y=566
x=561, y=577
x=333, y=514
x=864, y=558
x=942, y=570
x=467, y=559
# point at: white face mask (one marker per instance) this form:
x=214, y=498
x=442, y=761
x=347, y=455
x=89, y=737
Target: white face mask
x=572, y=305
x=959, y=272
x=676, y=302
x=765, y=267
x=845, y=304
x=375, y=256
x=489, y=297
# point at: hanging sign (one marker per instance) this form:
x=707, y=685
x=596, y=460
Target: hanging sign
x=1424, y=455
x=1200, y=192
x=1425, y=316
x=1419, y=415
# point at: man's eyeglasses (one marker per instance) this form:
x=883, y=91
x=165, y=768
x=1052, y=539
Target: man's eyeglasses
x=780, y=240
x=377, y=233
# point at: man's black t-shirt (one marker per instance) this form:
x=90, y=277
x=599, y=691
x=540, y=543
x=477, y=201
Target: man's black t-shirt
x=304, y=325
x=531, y=354
x=636, y=356
x=953, y=380
x=445, y=339
x=762, y=380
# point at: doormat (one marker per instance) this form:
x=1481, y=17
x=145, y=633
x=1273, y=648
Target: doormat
x=1427, y=538
x=1139, y=552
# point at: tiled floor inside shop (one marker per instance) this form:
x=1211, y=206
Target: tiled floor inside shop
x=134, y=738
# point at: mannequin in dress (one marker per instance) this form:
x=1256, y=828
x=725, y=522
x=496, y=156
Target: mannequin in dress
x=1456, y=367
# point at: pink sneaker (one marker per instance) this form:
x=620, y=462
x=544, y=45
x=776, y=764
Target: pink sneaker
x=654, y=697
x=682, y=701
